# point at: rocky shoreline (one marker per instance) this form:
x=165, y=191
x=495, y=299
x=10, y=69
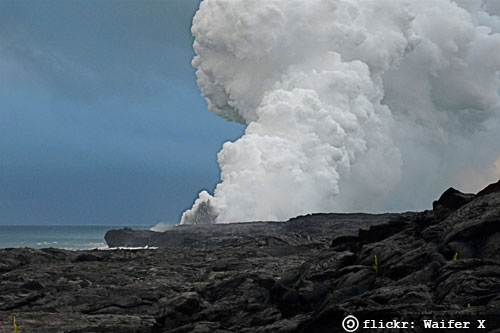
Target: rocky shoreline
x=304, y=275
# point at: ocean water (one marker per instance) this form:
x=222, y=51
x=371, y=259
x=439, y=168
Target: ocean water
x=74, y=237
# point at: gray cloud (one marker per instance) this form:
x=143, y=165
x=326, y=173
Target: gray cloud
x=96, y=49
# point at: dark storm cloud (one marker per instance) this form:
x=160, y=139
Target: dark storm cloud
x=101, y=120
x=96, y=49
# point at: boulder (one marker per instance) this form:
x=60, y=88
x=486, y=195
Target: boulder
x=452, y=199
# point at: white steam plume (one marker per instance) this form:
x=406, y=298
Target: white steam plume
x=346, y=102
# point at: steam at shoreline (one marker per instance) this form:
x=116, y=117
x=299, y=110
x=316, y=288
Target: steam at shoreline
x=345, y=101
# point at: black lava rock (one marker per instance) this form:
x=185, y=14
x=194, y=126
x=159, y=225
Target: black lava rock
x=304, y=275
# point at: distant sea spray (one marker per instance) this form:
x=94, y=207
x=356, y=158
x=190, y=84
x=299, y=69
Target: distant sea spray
x=161, y=226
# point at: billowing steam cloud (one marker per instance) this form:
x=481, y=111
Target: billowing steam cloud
x=345, y=101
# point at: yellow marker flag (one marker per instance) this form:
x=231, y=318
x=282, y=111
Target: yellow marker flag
x=16, y=326
x=375, y=265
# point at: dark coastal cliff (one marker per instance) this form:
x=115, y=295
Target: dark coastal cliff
x=304, y=275
x=304, y=229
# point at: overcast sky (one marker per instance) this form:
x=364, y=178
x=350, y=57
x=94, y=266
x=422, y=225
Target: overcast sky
x=101, y=120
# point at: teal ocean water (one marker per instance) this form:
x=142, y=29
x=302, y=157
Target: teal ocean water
x=63, y=237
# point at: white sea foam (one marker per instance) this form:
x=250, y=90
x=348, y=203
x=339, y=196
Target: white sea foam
x=130, y=248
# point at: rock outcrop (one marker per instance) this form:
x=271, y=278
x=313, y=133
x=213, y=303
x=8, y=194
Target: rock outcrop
x=305, y=275
x=304, y=229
